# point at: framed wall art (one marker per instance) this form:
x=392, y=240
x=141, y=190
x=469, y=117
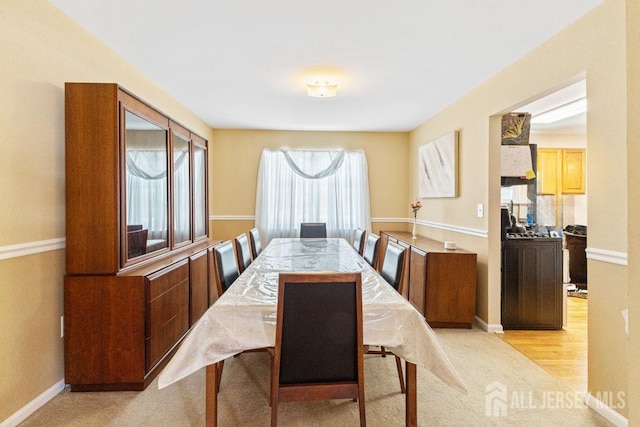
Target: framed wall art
x=438, y=167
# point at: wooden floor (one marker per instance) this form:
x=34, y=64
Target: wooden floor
x=561, y=353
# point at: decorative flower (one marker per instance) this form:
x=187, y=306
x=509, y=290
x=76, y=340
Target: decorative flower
x=416, y=207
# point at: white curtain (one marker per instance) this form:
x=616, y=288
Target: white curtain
x=296, y=186
x=181, y=198
x=147, y=191
x=199, y=193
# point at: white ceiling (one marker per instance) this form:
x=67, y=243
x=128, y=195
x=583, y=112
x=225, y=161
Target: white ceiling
x=244, y=63
x=571, y=125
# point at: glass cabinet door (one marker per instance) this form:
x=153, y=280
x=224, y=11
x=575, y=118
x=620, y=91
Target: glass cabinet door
x=200, y=190
x=146, y=186
x=181, y=190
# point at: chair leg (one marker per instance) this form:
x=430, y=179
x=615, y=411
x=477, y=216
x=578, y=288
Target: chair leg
x=363, y=415
x=274, y=413
x=383, y=351
x=403, y=389
x=219, y=368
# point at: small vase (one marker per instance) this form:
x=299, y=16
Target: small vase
x=413, y=232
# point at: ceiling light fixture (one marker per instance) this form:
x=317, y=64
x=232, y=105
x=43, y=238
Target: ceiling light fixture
x=565, y=111
x=322, y=89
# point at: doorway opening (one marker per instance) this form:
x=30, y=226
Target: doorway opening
x=558, y=202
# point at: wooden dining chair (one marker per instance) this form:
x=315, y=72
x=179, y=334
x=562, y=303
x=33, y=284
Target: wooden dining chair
x=313, y=230
x=256, y=243
x=371, y=249
x=226, y=265
x=243, y=253
x=358, y=240
x=318, y=353
x=392, y=271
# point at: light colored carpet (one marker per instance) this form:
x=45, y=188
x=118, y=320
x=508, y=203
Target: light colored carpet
x=482, y=359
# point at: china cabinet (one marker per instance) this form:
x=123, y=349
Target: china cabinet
x=137, y=269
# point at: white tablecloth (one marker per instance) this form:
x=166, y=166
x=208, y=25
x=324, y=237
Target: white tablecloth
x=244, y=317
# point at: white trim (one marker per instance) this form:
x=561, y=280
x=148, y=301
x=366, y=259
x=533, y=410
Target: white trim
x=232, y=218
x=605, y=255
x=495, y=328
x=464, y=230
x=22, y=249
x=607, y=412
x=389, y=220
x=31, y=407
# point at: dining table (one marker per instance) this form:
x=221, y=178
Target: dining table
x=244, y=318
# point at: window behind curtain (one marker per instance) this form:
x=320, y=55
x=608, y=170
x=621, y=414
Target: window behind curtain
x=296, y=186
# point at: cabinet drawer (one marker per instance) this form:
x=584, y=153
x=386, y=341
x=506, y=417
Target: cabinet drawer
x=167, y=311
x=160, y=282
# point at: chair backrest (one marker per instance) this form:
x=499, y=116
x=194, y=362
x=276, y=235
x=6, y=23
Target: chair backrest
x=243, y=253
x=313, y=230
x=256, y=244
x=358, y=240
x=136, y=242
x=371, y=249
x=393, y=265
x=226, y=265
x=318, y=328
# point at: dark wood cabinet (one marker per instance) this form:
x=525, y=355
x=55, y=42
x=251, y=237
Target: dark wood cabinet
x=441, y=283
x=137, y=270
x=577, y=245
x=199, y=286
x=532, y=283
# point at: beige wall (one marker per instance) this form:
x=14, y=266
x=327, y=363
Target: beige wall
x=41, y=50
x=236, y=156
x=593, y=47
x=559, y=140
x=633, y=197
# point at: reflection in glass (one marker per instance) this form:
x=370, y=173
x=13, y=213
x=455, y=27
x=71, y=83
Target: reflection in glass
x=146, y=186
x=181, y=199
x=199, y=190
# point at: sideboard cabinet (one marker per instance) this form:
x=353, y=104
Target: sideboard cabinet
x=137, y=269
x=440, y=283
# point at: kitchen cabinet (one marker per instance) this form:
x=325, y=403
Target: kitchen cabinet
x=532, y=290
x=441, y=283
x=549, y=163
x=561, y=171
x=573, y=171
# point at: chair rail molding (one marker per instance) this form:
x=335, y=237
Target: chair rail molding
x=604, y=255
x=455, y=228
x=30, y=248
x=448, y=227
x=232, y=218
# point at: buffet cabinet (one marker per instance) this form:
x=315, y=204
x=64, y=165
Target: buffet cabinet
x=137, y=244
x=439, y=282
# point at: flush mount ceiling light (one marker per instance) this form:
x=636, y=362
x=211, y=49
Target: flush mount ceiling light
x=322, y=89
x=565, y=111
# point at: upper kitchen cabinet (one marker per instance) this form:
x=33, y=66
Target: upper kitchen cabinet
x=561, y=171
x=136, y=184
x=549, y=162
x=573, y=168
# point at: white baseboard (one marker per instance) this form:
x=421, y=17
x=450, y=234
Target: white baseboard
x=491, y=328
x=34, y=405
x=606, y=411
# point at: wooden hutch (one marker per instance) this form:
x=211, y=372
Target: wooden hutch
x=138, y=252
